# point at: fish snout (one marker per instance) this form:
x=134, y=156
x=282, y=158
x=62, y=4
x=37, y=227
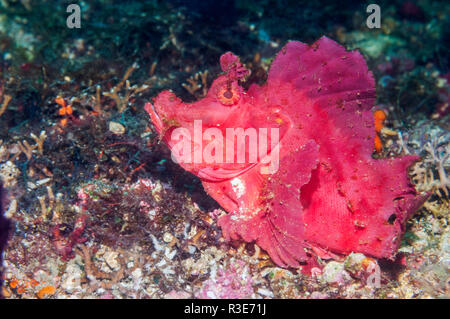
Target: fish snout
x=156, y=120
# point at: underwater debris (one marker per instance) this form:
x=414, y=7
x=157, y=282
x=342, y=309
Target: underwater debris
x=65, y=110
x=9, y=173
x=25, y=148
x=64, y=244
x=442, y=108
x=122, y=99
x=46, y=291
x=334, y=273
x=232, y=283
x=101, y=279
x=116, y=128
x=4, y=101
x=430, y=174
x=4, y=98
x=380, y=117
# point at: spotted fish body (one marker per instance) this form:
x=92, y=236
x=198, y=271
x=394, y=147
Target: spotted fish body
x=328, y=194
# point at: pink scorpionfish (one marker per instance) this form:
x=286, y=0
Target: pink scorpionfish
x=311, y=187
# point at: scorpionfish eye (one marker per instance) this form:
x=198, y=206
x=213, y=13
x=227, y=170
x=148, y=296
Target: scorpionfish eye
x=228, y=95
